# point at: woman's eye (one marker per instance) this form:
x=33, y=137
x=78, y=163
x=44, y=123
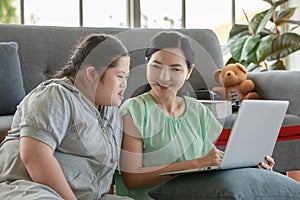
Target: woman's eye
x=156, y=66
x=175, y=69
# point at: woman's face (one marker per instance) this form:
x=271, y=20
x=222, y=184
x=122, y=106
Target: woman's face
x=167, y=71
x=111, y=87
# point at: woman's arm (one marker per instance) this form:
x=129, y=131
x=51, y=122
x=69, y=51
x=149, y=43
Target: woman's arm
x=43, y=167
x=137, y=176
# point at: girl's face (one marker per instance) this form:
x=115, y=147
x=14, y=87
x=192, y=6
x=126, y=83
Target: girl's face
x=111, y=87
x=167, y=71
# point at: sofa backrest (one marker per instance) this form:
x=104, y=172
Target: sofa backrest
x=279, y=85
x=45, y=49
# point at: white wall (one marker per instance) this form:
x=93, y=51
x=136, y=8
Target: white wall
x=294, y=59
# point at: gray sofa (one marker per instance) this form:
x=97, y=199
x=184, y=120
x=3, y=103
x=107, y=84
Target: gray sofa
x=43, y=50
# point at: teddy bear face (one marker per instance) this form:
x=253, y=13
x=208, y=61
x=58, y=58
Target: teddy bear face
x=232, y=75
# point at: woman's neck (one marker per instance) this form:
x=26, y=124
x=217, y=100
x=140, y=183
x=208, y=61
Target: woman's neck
x=172, y=106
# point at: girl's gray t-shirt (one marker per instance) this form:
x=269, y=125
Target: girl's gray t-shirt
x=59, y=115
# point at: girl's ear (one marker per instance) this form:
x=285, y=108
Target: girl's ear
x=92, y=74
x=190, y=70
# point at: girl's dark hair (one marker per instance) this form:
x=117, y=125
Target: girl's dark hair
x=171, y=39
x=98, y=50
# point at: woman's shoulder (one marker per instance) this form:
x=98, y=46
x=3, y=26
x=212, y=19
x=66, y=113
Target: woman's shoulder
x=195, y=106
x=192, y=101
x=139, y=103
x=137, y=100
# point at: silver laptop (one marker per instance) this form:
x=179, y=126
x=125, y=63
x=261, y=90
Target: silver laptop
x=253, y=135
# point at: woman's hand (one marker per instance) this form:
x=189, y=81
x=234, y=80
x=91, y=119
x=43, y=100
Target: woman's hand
x=212, y=158
x=269, y=165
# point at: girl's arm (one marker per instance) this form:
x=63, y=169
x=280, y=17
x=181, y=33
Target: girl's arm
x=43, y=167
x=137, y=176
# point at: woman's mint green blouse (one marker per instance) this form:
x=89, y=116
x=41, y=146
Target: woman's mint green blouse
x=169, y=139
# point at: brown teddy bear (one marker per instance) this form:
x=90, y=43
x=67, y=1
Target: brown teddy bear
x=236, y=86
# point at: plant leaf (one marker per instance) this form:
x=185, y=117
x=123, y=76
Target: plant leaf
x=243, y=48
x=230, y=60
x=235, y=34
x=270, y=2
x=260, y=20
x=292, y=21
x=264, y=48
x=278, y=3
x=284, y=14
x=238, y=29
x=248, y=51
x=236, y=47
x=284, y=45
x=278, y=65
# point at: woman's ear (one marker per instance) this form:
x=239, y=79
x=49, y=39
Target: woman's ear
x=190, y=70
x=92, y=74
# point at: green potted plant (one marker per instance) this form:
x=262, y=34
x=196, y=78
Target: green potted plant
x=261, y=44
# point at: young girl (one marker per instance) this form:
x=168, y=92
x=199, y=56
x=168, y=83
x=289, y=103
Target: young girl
x=164, y=131
x=65, y=137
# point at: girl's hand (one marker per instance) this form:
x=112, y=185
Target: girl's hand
x=269, y=165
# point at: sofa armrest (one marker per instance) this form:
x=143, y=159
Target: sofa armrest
x=279, y=85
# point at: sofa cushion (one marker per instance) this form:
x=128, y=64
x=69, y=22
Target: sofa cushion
x=246, y=183
x=289, y=130
x=11, y=87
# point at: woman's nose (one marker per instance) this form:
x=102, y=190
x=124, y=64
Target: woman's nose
x=165, y=74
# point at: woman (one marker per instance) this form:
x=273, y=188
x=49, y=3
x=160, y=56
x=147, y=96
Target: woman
x=65, y=136
x=163, y=131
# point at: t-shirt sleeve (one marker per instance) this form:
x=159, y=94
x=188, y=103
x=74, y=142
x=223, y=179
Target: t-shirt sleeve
x=46, y=114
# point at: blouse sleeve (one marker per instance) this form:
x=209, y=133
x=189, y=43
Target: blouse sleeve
x=136, y=107
x=213, y=130
x=46, y=114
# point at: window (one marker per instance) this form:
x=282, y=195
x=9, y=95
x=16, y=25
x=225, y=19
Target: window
x=210, y=15
x=250, y=9
x=103, y=13
x=161, y=13
x=54, y=12
x=217, y=15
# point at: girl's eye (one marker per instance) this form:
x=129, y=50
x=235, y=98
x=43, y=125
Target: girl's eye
x=123, y=77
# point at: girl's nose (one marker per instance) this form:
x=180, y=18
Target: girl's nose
x=123, y=83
